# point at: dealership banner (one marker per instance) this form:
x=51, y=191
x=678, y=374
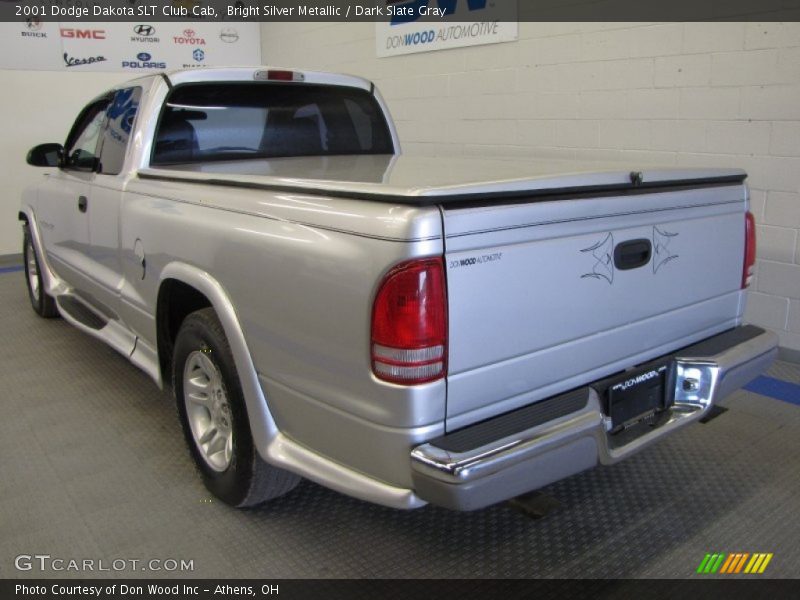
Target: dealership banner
x=425, y=25
x=133, y=47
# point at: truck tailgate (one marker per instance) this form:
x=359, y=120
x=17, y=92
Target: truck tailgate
x=552, y=294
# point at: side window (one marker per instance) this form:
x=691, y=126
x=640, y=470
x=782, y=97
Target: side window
x=81, y=151
x=121, y=114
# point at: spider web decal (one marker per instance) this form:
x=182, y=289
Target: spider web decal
x=603, y=253
x=661, y=252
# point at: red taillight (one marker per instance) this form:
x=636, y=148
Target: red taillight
x=409, y=324
x=275, y=75
x=749, y=249
x=278, y=75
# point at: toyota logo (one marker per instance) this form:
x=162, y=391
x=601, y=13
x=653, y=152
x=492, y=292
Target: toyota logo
x=145, y=30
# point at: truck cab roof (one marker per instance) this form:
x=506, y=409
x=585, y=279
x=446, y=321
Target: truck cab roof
x=264, y=73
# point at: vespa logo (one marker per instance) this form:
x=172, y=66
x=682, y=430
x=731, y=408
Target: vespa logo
x=415, y=8
x=71, y=61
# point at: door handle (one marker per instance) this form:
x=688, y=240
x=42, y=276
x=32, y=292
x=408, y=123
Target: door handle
x=83, y=203
x=632, y=254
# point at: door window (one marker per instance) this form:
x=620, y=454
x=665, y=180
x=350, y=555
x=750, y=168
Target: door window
x=121, y=114
x=81, y=147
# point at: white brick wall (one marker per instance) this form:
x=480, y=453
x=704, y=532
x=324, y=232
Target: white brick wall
x=724, y=94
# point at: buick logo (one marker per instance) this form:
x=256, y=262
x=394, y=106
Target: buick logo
x=144, y=30
x=229, y=35
x=143, y=56
x=198, y=55
x=33, y=24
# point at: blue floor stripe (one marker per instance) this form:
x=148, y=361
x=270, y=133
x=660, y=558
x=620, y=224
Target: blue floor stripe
x=775, y=388
x=10, y=270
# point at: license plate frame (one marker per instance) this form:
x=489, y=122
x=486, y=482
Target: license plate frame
x=639, y=393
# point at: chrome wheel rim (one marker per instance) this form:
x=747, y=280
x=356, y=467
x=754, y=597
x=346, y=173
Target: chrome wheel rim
x=208, y=410
x=33, y=271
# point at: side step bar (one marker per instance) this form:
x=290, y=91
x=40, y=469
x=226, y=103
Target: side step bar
x=80, y=312
x=80, y=315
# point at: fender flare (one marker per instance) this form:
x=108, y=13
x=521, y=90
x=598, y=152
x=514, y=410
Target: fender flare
x=53, y=286
x=262, y=424
x=272, y=445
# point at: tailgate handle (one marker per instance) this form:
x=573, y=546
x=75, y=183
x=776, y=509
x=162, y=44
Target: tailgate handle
x=632, y=254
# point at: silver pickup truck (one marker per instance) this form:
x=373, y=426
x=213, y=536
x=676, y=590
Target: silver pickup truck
x=404, y=330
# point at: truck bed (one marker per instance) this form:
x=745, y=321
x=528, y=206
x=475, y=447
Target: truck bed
x=540, y=296
x=423, y=181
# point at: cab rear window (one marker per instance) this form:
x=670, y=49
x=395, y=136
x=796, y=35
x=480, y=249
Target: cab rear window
x=231, y=121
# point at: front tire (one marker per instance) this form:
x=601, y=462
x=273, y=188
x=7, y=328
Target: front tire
x=214, y=417
x=43, y=304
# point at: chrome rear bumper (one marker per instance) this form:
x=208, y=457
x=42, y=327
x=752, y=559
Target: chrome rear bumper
x=450, y=475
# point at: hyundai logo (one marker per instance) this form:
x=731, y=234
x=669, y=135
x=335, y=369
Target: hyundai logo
x=143, y=56
x=144, y=30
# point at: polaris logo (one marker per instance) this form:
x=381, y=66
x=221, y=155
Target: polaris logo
x=144, y=60
x=638, y=379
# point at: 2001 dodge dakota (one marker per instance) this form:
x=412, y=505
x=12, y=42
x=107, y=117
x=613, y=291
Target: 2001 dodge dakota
x=404, y=330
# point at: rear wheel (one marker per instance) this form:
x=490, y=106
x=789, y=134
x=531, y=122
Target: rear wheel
x=43, y=304
x=214, y=417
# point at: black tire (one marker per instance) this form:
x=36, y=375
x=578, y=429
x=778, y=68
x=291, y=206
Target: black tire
x=246, y=480
x=43, y=304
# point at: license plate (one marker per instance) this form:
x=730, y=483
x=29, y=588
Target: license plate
x=637, y=394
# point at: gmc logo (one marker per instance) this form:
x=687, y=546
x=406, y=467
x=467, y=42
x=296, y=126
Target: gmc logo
x=84, y=34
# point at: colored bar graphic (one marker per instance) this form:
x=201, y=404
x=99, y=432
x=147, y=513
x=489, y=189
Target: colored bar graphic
x=703, y=563
x=729, y=563
x=755, y=563
x=741, y=562
x=734, y=562
x=718, y=563
x=765, y=563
